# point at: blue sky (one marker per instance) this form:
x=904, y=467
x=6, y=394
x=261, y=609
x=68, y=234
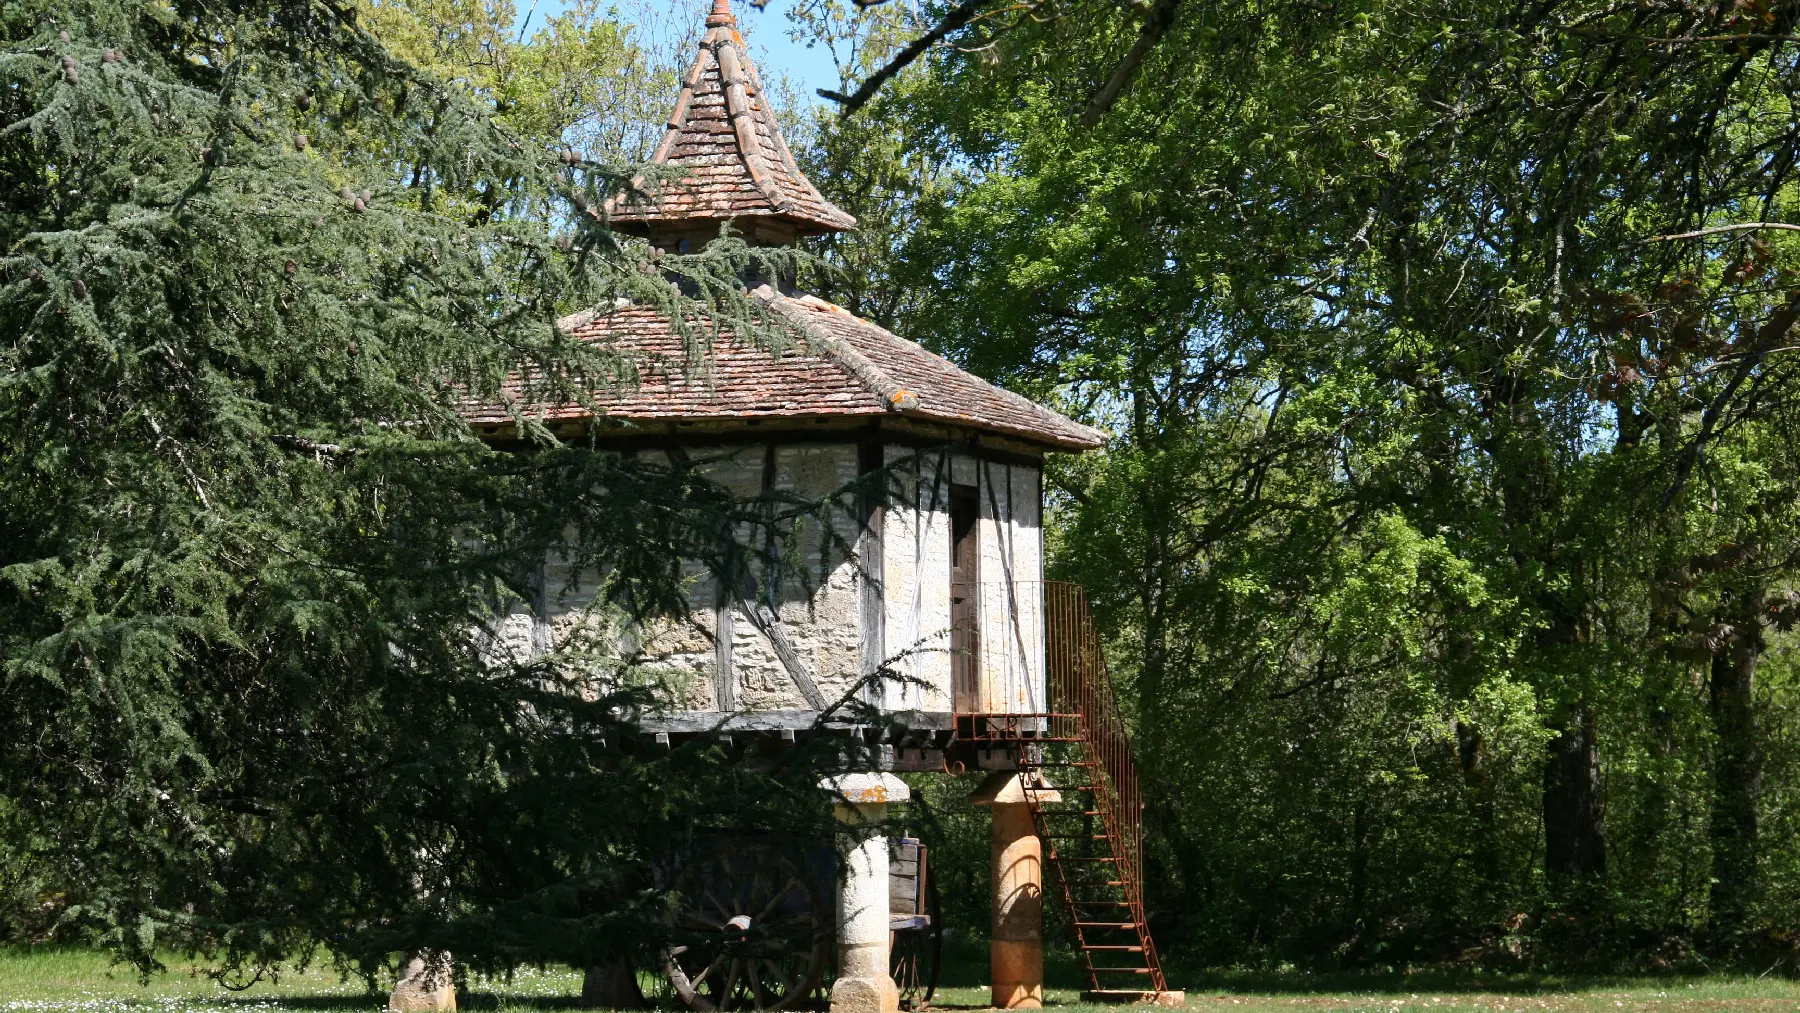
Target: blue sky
x=766, y=31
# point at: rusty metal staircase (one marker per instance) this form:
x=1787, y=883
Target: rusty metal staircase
x=1082, y=787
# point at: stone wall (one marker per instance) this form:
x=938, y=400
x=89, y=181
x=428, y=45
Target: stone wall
x=816, y=590
x=818, y=598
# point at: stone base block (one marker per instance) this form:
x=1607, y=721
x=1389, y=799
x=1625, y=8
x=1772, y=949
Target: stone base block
x=611, y=986
x=1133, y=996
x=424, y=986
x=407, y=998
x=865, y=995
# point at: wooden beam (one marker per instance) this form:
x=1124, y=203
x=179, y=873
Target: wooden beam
x=769, y=625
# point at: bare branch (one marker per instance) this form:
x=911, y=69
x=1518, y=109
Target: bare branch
x=956, y=19
x=1156, y=24
x=1681, y=40
x=1773, y=331
x=1715, y=230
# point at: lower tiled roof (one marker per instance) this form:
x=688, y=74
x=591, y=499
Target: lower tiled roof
x=841, y=366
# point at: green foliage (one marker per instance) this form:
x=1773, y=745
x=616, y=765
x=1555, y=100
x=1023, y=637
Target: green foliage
x=1451, y=496
x=253, y=269
x=578, y=79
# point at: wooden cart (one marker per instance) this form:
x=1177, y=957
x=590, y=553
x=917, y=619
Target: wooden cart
x=916, y=934
x=754, y=923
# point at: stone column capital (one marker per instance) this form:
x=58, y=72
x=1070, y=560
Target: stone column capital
x=1004, y=787
x=866, y=789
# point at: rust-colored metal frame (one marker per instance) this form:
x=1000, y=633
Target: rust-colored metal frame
x=1083, y=713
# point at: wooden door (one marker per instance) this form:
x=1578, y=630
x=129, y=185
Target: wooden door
x=965, y=594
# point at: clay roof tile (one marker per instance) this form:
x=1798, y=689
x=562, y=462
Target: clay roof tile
x=843, y=366
x=723, y=123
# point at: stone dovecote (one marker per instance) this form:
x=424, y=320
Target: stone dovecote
x=940, y=582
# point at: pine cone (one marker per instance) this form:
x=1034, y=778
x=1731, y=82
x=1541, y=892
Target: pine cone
x=80, y=289
x=111, y=56
x=300, y=142
x=70, y=70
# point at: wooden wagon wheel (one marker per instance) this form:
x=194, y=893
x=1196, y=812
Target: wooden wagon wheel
x=753, y=930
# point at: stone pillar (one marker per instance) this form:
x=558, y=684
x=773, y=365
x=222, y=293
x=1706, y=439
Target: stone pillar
x=425, y=983
x=863, y=983
x=1016, y=951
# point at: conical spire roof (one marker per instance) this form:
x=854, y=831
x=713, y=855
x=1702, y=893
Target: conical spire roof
x=723, y=132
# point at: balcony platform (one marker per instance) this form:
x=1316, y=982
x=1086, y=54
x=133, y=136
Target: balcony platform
x=868, y=740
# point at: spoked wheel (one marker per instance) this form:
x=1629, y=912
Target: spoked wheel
x=752, y=929
x=915, y=953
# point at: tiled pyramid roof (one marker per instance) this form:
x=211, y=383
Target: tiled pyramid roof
x=843, y=366
x=723, y=132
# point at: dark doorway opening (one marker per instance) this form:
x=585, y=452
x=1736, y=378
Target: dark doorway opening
x=965, y=594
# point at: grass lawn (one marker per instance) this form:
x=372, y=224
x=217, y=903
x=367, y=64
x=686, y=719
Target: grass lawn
x=84, y=981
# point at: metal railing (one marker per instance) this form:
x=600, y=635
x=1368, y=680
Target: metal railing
x=997, y=645
x=1080, y=717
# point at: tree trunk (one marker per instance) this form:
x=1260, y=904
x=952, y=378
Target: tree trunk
x=1478, y=791
x=1574, y=823
x=1737, y=765
x=612, y=985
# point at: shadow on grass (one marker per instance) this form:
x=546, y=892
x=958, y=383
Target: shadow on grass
x=315, y=1002
x=965, y=966
x=466, y=999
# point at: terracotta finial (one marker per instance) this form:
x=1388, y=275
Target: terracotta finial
x=721, y=15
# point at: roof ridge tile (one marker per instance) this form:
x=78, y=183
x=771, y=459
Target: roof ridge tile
x=894, y=397
x=763, y=179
